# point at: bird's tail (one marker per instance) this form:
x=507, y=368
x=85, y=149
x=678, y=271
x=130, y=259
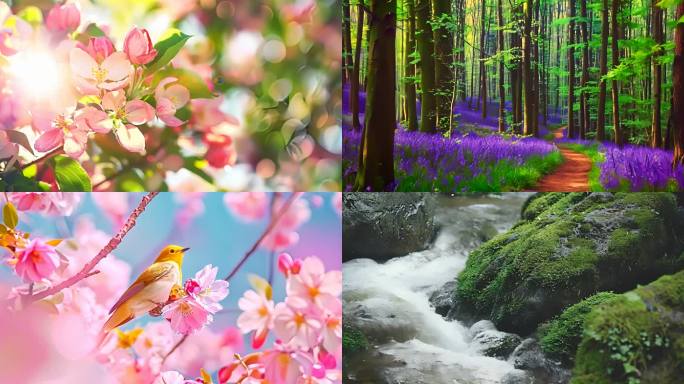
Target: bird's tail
x=119, y=317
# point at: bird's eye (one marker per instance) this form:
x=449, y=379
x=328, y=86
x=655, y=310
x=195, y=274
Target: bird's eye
x=173, y=251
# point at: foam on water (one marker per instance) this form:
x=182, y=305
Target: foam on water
x=391, y=300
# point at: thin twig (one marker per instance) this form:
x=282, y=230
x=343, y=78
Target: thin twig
x=178, y=344
x=46, y=156
x=111, y=245
x=269, y=228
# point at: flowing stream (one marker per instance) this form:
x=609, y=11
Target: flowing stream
x=390, y=302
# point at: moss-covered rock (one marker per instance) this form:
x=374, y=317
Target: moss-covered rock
x=568, y=247
x=560, y=337
x=636, y=337
x=353, y=340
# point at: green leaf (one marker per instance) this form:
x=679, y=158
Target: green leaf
x=167, y=48
x=195, y=164
x=71, y=177
x=31, y=15
x=9, y=215
x=192, y=81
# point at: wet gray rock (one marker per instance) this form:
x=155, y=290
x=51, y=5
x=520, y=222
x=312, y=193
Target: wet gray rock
x=528, y=356
x=381, y=226
x=443, y=299
x=481, y=326
x=518, y=377
x=494, y=343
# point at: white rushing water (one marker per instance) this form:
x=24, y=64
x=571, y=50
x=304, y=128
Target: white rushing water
x=391, y=300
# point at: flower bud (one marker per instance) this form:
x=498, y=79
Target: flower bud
x=99, y=48
x=138, y=46
x=63, y=18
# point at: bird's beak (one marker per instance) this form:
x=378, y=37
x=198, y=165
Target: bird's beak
x=185, y=249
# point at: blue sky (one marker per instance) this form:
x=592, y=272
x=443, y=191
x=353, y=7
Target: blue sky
x=216, y=237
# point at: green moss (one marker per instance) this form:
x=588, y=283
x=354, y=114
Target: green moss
x=353, y=340
x=568, y=247
x=560, y=337
x=636, y=337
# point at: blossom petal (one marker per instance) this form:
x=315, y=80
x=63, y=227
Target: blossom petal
x=81, y=63
x=49, y=140
x=117, y=66
x=139, y=112
x=131, y=138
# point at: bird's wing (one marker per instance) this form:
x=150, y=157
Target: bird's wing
x=155, y=272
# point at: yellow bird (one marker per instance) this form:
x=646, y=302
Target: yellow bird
x=150, y=289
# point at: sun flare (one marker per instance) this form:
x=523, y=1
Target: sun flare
x=36, y=73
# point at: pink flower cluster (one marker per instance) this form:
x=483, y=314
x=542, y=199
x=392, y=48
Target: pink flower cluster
x=307, y=327
x=202, y=295
x=251, y=206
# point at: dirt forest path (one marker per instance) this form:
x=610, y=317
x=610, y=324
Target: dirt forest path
x=571, y=176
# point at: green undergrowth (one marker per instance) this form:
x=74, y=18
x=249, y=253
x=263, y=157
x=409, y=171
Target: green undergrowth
x=502, y=176
x=560, y=337
x=353, y=340
x=636, y=337
x=596, y=157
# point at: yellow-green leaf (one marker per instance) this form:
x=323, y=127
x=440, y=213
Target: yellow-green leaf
x=9, y=215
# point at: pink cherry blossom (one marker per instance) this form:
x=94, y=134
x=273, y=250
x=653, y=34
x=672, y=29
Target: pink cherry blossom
x=206, y=289
x=66, y=132
x=114, y=205
x=37, y=261
x=284, y=235
x=187, y=315
x=63, y=18
x=8, y=149
x=298, y=326
x=138, y=46
x=337, y=202
x=123, y=118
x=48, y=203
x=111, y=74
x=249, y=206
x=169, y=100
x=282, y=366
x=206, y=114
x=314, y=285
x=192, y=206
x=257, y=315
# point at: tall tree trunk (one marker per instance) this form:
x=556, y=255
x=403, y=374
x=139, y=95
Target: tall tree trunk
x=346, y=41
x=678, y=91
x=572, y=133
x=356, y=124
x=444, y=58
x=657, y=24
x=461, y=49
x=483, y=73
x=616, y=61
x=535, y=71
x=502, y=89
x=426, y=48
x=528, y=112
x=601, y=112
x=376, y=165
x=410, y=85
x=584, y=102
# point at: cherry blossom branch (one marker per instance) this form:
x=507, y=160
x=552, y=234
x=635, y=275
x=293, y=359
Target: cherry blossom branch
x=178, y=344
x=274, y=220
x=86, y=271
x=46, y=156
